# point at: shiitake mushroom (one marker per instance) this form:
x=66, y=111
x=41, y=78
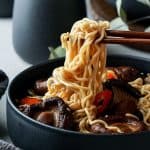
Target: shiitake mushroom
x=127, y=124
x=124, y=99
x=40, y=87
x=52, y=111
x=126, y=73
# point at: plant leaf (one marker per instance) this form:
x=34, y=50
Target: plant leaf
x=118, y=23
x=57, y=52
x=120, y=10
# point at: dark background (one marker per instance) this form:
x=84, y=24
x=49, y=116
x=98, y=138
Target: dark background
x=6, y=7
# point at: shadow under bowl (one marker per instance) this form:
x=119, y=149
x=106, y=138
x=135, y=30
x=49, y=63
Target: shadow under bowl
x=29, y=134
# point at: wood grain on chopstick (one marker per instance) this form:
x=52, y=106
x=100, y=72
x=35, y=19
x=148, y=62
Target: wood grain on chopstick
x=120, y=33
x=126, y=41
x=127, y=37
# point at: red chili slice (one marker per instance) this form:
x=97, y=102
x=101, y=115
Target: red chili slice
x=102, y=100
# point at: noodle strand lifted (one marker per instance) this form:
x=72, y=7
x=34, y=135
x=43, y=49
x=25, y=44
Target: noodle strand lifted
x=80, y=79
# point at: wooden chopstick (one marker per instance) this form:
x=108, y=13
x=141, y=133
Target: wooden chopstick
x=126, y=41
x=127, y=37
x=129, y=34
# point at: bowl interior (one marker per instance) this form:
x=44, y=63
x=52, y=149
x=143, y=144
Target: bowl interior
x=23, y=81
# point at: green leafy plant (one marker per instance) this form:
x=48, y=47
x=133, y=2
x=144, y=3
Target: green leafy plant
x=120, y=23
x=120, y=10
x=56, y=52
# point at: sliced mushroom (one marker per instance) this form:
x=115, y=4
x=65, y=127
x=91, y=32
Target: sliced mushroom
x=46, y=117
x=130, y=125
x=26, y=109
x=126, y=124
x=52, y=111
x=124, y=98
x=61, y=111
x=99, y=128
x=40, y=87
x=126, y=73
x=30, y=110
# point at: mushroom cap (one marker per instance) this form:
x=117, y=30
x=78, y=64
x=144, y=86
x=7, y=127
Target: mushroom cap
x=52, y=111
x=124, y=99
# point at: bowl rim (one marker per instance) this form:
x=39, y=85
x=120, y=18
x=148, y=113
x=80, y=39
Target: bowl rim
x=55, y=129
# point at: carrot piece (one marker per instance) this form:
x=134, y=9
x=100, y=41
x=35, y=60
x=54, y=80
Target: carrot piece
x=30, y=101
x=111, y=75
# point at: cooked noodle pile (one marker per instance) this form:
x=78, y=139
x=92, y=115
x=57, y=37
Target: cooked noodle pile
x=80, y=79
x=144, y=101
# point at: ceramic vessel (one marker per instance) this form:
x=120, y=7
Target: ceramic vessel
x=38, y=24
x=29, y=134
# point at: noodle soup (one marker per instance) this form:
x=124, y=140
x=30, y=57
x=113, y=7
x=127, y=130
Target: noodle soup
x=86, y=96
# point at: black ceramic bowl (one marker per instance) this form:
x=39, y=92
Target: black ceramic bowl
x=29, y=134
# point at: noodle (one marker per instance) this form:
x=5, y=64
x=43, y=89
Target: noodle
x=80, y=79
x=144, y=101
